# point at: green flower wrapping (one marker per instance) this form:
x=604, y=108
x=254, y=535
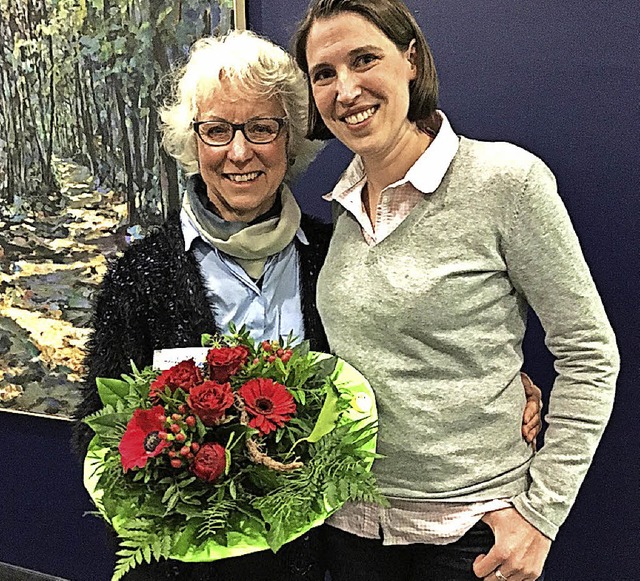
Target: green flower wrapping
x=247, y=453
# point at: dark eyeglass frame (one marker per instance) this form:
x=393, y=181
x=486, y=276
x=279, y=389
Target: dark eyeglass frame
x=235, y=127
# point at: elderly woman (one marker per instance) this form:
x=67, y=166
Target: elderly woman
x=441, y=245
x=239, y=251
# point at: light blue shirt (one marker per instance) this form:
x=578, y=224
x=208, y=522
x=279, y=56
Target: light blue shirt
x=269, y=311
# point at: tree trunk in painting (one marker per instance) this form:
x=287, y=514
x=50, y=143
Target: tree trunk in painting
x=132, y=211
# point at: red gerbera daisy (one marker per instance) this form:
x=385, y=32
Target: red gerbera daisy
x=270, y=404
x=141, y=440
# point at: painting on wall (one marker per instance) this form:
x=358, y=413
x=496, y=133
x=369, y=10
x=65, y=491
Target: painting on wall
x=81, y=170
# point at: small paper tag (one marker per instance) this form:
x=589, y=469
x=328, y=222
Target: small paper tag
x=166, y=358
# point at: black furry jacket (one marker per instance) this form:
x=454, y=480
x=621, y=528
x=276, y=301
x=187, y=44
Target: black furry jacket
x=154, y=297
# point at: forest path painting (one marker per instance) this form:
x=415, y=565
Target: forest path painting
x=51, y=266
x=82, y=169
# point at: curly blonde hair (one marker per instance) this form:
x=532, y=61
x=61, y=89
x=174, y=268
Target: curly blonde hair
x=253, y=65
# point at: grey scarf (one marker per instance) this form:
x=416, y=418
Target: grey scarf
x=249, y=244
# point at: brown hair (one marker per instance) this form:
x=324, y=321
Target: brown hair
x=397, y=23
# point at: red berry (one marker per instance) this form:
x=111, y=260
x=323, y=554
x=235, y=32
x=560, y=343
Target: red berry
x=195, y=446
x=182, y=408
x=280, y=352
x=184, y=451
x=266, y=346
x=176, y=417
x=271, y=358
x=180, y=437
x=176, y=463
x=190, y=456
x=191, y=421
x=172, y=454
x=256, y=361
x=175, y=428
x=286, y=356
x=162, y=435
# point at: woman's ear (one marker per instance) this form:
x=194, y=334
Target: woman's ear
x=411, y=55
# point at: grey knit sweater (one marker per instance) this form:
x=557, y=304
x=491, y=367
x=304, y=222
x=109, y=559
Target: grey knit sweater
x=434, y=317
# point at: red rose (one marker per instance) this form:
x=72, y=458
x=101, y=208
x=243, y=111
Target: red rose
x=210, y=400
x=185, y=374
x=210, y=462
x=270, y=404
x=225, y=361
x=142, y=439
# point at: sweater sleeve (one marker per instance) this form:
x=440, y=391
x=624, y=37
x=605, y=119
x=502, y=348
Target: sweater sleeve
x=546, y=265
x=119, y=334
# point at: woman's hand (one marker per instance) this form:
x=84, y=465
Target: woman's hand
x=519, y=552
x=532, y=417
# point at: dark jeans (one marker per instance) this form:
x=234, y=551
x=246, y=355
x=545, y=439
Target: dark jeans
x=352, y=558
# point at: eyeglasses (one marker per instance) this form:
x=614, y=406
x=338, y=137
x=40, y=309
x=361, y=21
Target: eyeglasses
x=260, y=130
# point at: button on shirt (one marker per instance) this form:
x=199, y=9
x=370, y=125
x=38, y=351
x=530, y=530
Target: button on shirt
x=269, y=310
x=405, y=521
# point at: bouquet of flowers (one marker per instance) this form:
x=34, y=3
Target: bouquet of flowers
x=246, y=451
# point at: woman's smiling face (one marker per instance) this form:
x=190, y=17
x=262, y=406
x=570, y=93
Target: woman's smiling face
x=242, y=178
x=360, y=82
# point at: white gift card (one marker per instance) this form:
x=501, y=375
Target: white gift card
x=166, y=358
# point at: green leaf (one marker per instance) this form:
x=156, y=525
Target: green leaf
x=168, y=493
x=276, y=537
x=327, y=418
x=227, y=457
x=357, y=438
x=201, y=428
x=157, y=550
x=187, y=502
x=325, y=367
x=172, y=503
x=302, y=350
x=280, y=367
x=343, y=487
x=332, y=494
x=187, y=539
x=111, y=390
x=104, y=424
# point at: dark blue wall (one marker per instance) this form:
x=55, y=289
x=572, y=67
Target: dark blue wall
x=561, y=79
x=42, y=503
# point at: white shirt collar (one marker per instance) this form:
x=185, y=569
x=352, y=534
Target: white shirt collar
x=425, y=174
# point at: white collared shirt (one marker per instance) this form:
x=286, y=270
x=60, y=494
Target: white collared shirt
x=270, y=310
x=399, y=198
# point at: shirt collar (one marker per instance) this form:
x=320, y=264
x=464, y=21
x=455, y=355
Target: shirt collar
x=425, y=174
x=190, y=231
